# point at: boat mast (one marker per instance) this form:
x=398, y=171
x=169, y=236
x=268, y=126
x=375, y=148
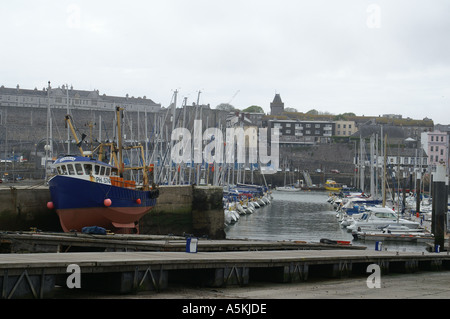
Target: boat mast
x=384, y=172
x=119, y=138
x=68, y=112
x=69, y=122
x=372, y=156
x=49, y=144
x=174, y=109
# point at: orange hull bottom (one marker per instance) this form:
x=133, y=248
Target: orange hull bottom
x=118, y=220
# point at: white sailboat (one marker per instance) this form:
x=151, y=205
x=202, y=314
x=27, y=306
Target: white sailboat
x=287, y=187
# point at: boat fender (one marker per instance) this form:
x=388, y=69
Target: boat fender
x=50, y=205
x=138, y=201
x=107, y=202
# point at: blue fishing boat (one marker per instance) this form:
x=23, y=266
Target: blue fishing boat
x=88, y=191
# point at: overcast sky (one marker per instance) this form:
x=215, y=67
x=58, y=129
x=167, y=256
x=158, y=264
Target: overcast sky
x=367, y=57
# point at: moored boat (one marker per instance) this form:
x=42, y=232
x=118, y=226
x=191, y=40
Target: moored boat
x=376, y=217
x=87, y=191
x=332, y=186
x=287, y=188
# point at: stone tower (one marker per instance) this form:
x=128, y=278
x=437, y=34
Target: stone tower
x=277, y=106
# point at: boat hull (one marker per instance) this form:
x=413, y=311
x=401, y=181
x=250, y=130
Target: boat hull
x=81, y=203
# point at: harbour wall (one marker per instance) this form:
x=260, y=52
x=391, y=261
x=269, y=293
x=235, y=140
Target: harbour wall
x=180, y=210
x=186, y=210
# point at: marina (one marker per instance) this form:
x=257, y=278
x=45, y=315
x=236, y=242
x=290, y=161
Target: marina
x=153, y=149
x=293, y=239
x=307, y=216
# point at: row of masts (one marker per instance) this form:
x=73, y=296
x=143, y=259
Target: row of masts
x=155, y=149
x=380, y=172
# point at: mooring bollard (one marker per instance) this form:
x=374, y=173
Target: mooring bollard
x=378, y=245
x=191, y=244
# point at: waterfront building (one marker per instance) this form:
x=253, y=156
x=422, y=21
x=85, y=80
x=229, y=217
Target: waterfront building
x=238, y=118
x=65, y=96
x=435, y=144
x=406, y=159
x=345, y=128
x=294, y=132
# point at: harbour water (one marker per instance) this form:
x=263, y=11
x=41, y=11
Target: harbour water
x=302, y=216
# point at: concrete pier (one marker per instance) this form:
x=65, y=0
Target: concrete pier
x=35, y=275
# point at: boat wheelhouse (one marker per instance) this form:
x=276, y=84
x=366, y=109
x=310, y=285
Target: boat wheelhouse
x=84, y=168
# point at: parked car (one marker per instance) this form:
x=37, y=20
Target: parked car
x=334, y=171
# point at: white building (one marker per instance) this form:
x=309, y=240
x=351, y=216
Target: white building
x=63, y=97
x=435, y=145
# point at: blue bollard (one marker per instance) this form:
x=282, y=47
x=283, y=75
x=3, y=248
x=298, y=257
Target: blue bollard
x=378, y=245
x=191, y=245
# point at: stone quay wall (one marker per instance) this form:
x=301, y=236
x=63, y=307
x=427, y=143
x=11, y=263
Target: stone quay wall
x=180, y=210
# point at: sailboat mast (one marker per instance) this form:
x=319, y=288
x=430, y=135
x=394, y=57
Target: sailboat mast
x=384, y=171
x=68, y=112
x=119, y=138
x=372, y=153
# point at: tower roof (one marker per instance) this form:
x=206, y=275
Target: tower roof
x=277, y=99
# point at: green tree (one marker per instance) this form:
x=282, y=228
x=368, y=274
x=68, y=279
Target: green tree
x=313, y=112
x=254, y=109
